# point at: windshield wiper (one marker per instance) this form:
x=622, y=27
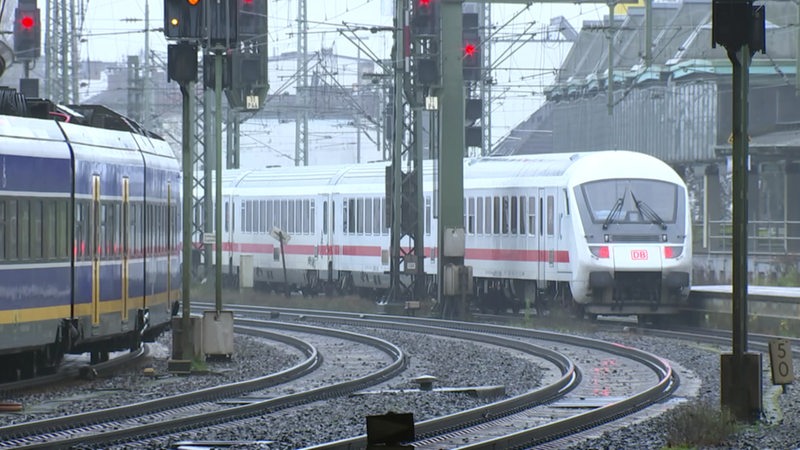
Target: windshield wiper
x=617, y=208
x=647, y=211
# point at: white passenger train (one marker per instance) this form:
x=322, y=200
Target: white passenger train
x=607, y=232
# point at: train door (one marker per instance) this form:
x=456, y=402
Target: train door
x=326, y=238
x=541, y=241
x=125, y=245
x=550, y=213
x=229, y=234
x=95, y=249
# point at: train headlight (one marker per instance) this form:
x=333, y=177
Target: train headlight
x=600, y=251
x=673, y=251
x=663, y=238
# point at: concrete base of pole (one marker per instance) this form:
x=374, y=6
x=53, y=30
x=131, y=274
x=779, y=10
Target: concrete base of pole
x=740, y=381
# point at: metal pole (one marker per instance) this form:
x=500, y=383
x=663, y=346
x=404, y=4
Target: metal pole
x=610, y=83
x=218, y=55
x=451, y=147
x=188, y=144
x=648, y=33
x=741, y=67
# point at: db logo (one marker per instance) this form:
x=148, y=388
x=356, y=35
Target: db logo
x=638, y=254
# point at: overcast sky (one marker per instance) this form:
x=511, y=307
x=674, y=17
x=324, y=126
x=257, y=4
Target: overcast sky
x=115, y=29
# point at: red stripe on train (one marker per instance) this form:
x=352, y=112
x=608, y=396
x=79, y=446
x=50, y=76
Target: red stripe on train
x=483, y=254
x=492, y=254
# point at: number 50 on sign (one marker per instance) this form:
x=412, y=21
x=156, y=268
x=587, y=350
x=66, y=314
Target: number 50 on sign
x=780, y=357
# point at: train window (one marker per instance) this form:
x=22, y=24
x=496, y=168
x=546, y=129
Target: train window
x=376, y=215
x=11, y=230
x=368, y=216
x=62, y=229
x=253, y=215
x=36, y=229
x=345, y=216
x=384, y=217
x=149, y=234
x=325, y=217
x=245, y=211
x=285, y=215
x=134, y=229
x=291, y=225
x=550, y=215
x=514, y=219
x=350, y=212
x=308, y=214
x=262, y=226
x=110, y=241
x=125, y=220
x=117, y=228
x=257, y=226
x=487, y=217
x=312, y=216
x=522, y=216
x=471, y=216
x=360, y=216
x=298, y=215
x=2, y=230
x=227, y=217
x=497, y=214
x=479, y=215
x=532, y=215
x=49, y=230
x=464, y=211
x=270, y=221
x=428, y=213
x=23, y=229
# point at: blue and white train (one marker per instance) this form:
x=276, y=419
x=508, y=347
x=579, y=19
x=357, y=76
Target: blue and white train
x=602, y=232
x=89, y=235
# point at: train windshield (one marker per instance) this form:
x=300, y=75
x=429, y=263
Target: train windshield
x=631, y=201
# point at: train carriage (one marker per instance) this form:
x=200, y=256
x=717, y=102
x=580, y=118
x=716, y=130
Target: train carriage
x=604, y=232
x=89, y=234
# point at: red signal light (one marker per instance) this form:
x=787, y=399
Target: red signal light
x=425, y=3
x=247, y=2
x=27, y=22
x=469, y=50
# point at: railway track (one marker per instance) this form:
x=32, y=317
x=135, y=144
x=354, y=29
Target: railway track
x=208, y=406
x=545, y=414
x=77, y=369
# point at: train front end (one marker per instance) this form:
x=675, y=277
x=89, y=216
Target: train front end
x=636, y=257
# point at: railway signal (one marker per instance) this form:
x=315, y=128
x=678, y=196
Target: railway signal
x=471, y=58
x=27, y=31
x=184, y=19
x=425, y=33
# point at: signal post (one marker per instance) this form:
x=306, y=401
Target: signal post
x=183, y=22
x=213, y=23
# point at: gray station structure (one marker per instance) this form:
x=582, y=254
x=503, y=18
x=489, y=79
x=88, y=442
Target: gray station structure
x=677, y=106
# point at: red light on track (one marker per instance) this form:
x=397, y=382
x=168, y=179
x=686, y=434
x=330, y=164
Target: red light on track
x=27, y=22
x=425, y=3
x=469, y=50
